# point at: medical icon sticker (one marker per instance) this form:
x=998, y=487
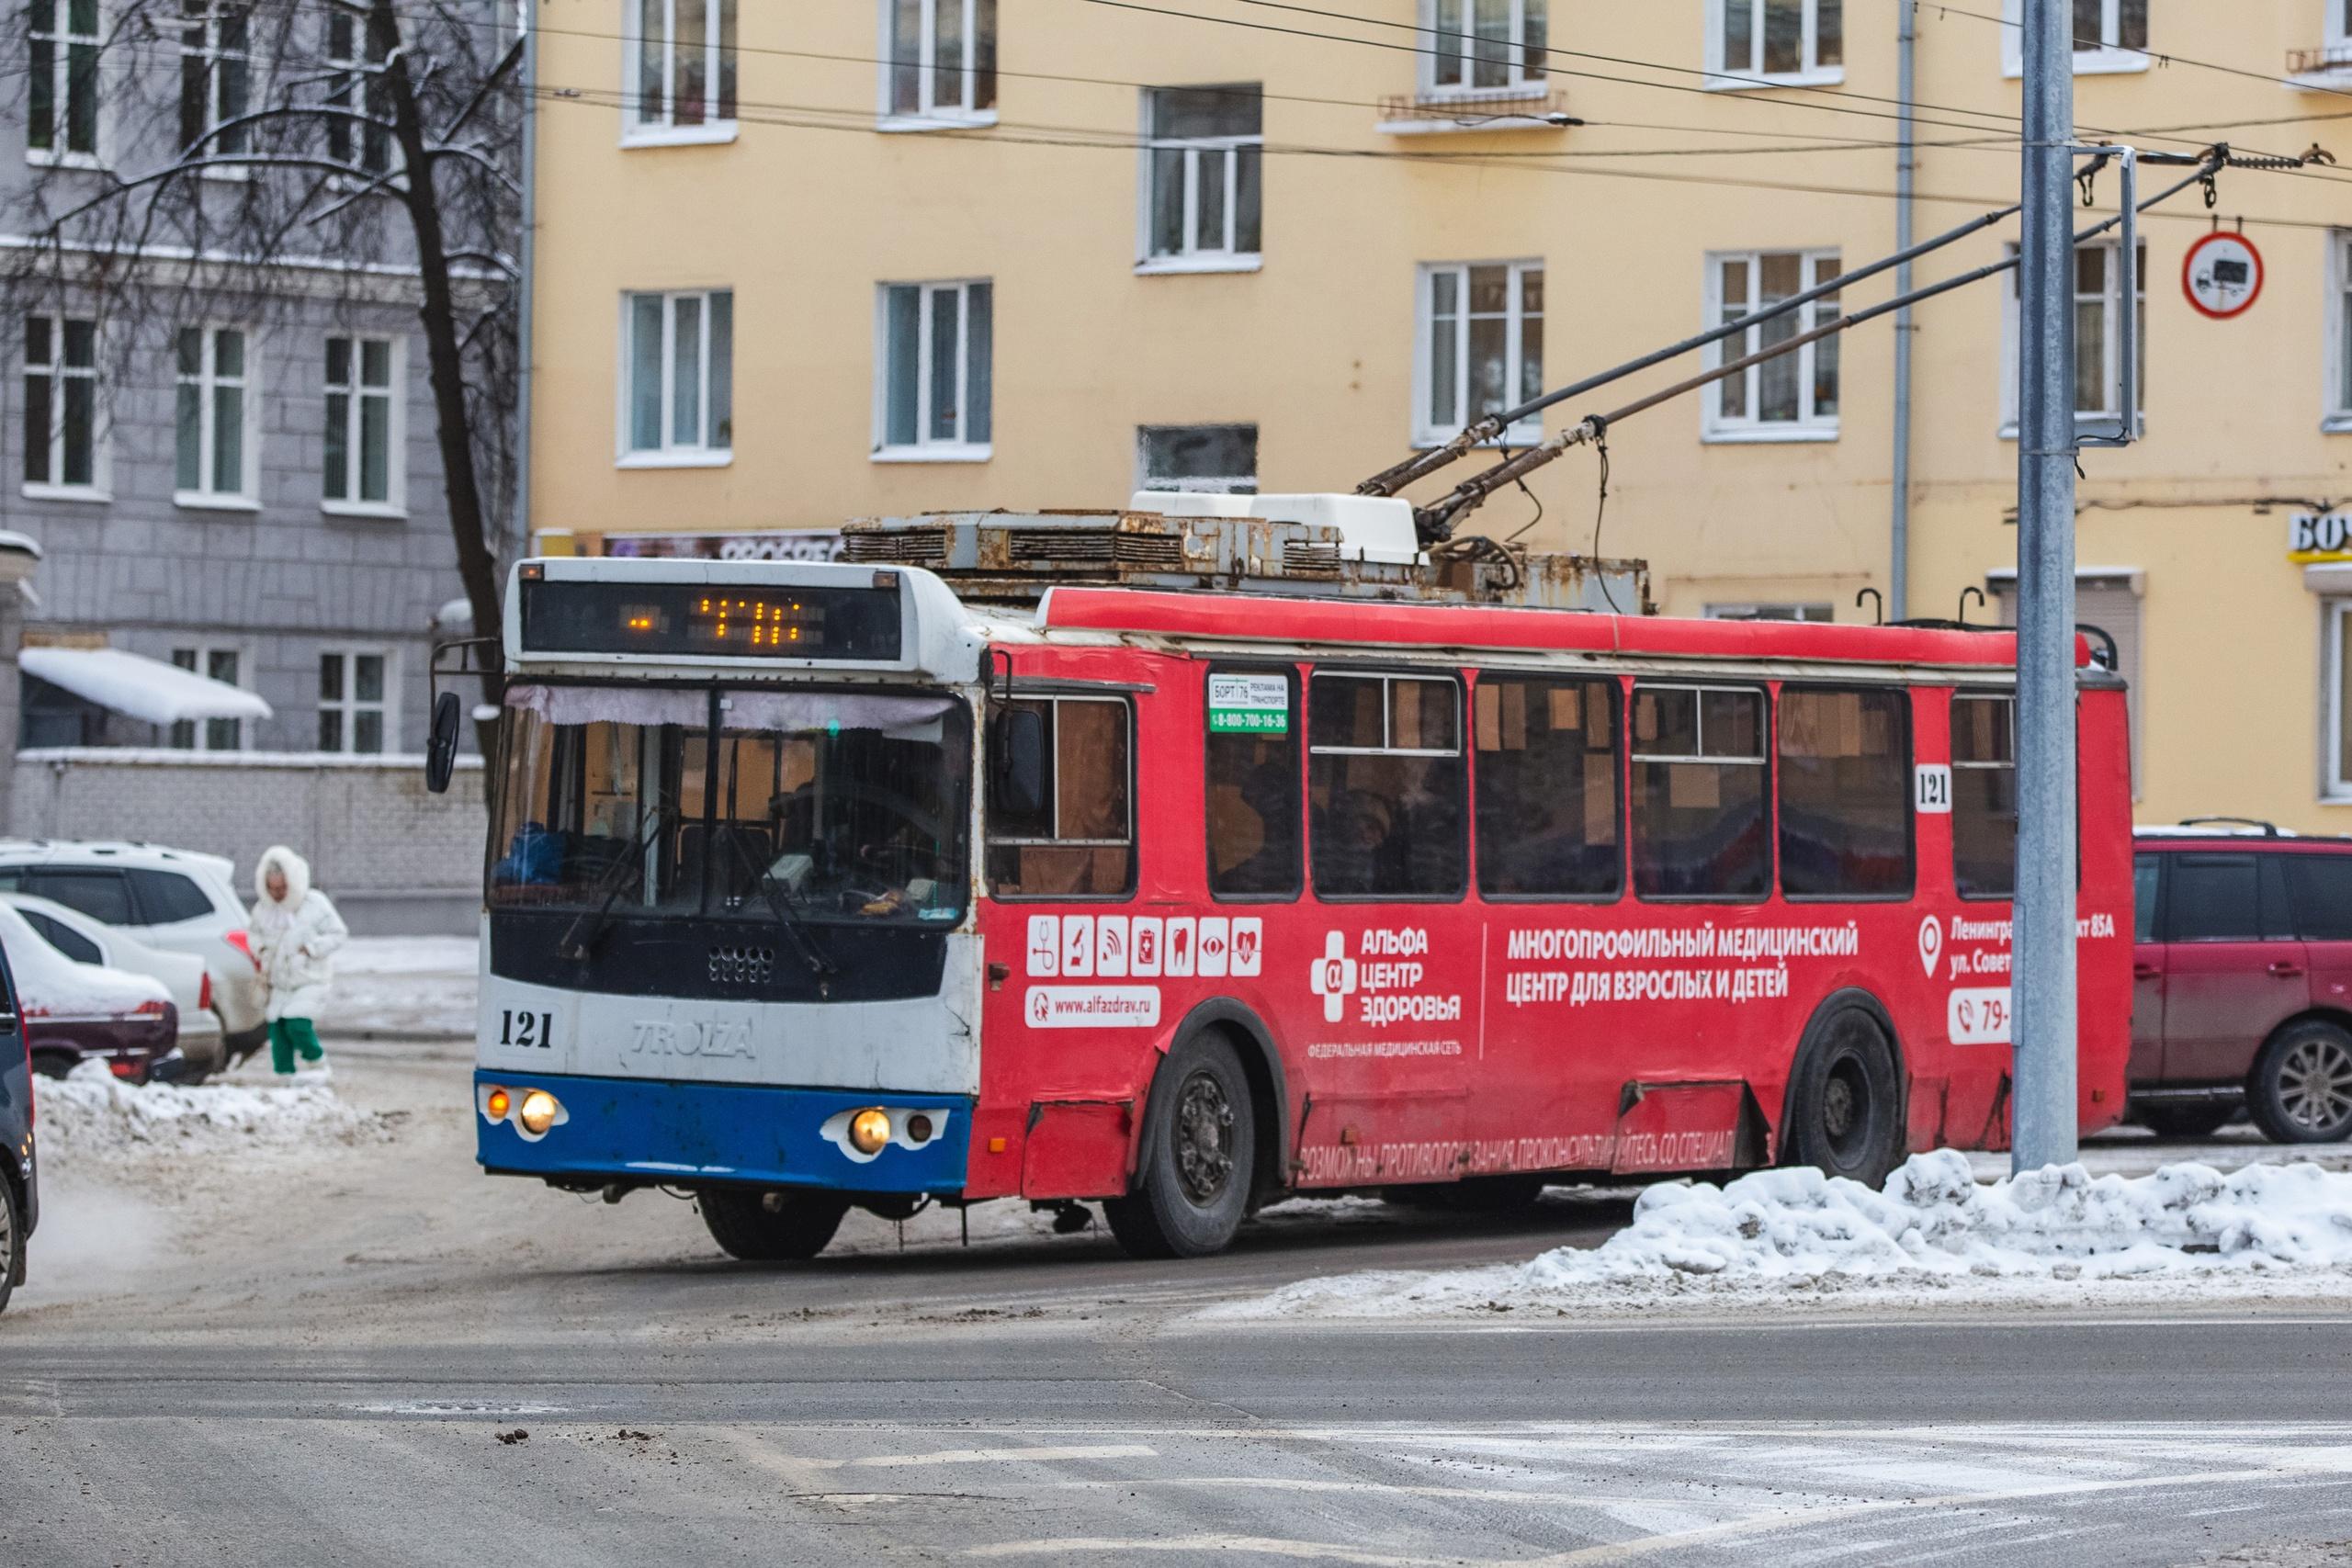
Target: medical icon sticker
x=2221, y=274
x=1120, y=947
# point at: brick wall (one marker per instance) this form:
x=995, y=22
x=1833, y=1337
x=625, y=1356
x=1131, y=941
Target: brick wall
x=397, y=860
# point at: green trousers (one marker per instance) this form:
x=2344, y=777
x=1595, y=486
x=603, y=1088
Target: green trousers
x=288, y=1035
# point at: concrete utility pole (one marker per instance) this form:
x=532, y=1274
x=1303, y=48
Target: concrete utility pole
x=2043, y=1120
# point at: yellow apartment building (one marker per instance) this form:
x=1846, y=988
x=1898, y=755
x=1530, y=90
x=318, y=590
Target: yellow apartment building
x=798, y=261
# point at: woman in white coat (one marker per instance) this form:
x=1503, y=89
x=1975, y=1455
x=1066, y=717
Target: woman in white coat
x=294, y=933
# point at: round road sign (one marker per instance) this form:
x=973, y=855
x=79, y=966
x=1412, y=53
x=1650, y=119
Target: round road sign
x=2221, y=274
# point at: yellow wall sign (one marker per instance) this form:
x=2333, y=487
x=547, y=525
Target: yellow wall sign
x=2313, y=537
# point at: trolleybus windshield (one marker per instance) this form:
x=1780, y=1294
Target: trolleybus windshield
x=843, y=807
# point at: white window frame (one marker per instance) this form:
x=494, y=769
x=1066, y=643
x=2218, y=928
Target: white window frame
x=1199, y=151
x=1819, y=266
x=2107, y=59
x=57, y=373
x=932, y=115
x=348, y=87
x=355, y=391
x=666, y=131
x=2335, y=779
x=673, y=453
x=63, y=40
x=211, y=494
x=2335, y=395
x=927, y=448
x=1736, y=75
x=1196, y=484
x=350, y=707
x=1438, y=18
x=2334, y=63
x=203, y=652
x=2013, y=332
x=1427, y=432
x=210, y=51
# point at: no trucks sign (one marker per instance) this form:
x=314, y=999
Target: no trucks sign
x=2221, y=274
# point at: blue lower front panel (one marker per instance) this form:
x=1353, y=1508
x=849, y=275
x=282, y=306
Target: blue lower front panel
x=687, y=1133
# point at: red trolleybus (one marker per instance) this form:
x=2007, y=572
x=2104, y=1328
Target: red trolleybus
x=1249, y=852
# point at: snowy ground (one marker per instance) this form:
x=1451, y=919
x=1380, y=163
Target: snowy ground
x=400, y=987
x=1934, y=1233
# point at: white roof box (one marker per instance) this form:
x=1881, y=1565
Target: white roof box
x=1373, y=527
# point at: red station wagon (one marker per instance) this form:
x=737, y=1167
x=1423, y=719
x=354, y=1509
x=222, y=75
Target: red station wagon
x=2242, y=980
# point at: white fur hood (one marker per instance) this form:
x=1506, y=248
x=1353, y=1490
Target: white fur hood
x=295, y=870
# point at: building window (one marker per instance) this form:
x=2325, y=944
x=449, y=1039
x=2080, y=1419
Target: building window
x=2098, y=298
x=216, y=460
x=682, y=71
x=2339, y=328
x=216, y=69
x=1777, y=41
x=222, y=664
x=1206, y=459
x=1493, y=48
x=61, y=81
x=1480, y=348
x=1202, y=155
x=939, y=60
x=364, y=428
x=354, y=702
x=1079, y=841
x=679, y=397
x=1794, y=397
x=2337, y=781
x=354, y=85
x=61, y=405
x=937, y=342
x=2109, y=35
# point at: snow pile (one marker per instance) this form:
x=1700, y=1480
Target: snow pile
x=1934, y=1231
x=92, y=1117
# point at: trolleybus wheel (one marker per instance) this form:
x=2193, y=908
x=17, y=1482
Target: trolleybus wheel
x=2301, y=1091
x=1846, y=1100
x=1200, y=1141
x=796, y=1227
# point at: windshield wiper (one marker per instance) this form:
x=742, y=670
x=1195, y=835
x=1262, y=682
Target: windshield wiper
x=794, y=926
x=576, y=941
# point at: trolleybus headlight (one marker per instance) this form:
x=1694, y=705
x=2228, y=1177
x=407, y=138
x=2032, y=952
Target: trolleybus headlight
x=868, y=1131
x=497, y=1105
x=538, y=1111
x=918, y=1128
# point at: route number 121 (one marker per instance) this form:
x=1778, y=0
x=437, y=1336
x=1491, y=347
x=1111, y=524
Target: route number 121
x=526, y=1029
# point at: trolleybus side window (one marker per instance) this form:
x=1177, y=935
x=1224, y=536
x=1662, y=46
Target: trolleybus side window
x=1700, y=816
x=1079, y=841
x=1845, y=768
x=1547, y=788
x=1983, y=796
x=1385, y=786
x=1250, y=754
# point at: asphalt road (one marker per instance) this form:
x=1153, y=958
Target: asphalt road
x=383, y=1359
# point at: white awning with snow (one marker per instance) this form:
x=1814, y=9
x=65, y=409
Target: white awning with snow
x=143, y=688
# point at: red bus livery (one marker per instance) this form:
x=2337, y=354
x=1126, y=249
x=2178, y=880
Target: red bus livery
x=1180, y=899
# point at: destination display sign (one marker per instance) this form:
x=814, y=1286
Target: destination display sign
x=827, y=622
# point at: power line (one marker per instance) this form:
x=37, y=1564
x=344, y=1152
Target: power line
x=2157, y=56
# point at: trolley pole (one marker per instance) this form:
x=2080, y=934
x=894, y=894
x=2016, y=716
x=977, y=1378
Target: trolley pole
x=2042, y=1119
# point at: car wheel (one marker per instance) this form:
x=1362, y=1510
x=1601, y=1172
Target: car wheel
x=2195, y=1119
x=12, y=1241
x=1199, y=1142
x=2301, y=1091
x=771, y=1227
x=55, y=1064
x=1845, y=1099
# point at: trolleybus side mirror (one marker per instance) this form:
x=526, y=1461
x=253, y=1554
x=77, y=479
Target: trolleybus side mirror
x=1017, y=760
x=441, y=749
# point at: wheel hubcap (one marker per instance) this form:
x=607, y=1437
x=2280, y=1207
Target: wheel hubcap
x=2315, y=1085
x=1203, y=1137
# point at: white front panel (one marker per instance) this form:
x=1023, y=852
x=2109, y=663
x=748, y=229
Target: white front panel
x=928, y=1044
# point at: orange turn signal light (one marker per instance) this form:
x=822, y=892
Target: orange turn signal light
x=497, y=1105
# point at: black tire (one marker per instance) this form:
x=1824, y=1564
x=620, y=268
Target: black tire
x=2187, y=1119
x=2300, y=1089
x=1845, y=1099
x=55, y=1064
x=1471, y=1194
x=1200, y=1146
x=797, y=1229
x=12, y=1241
